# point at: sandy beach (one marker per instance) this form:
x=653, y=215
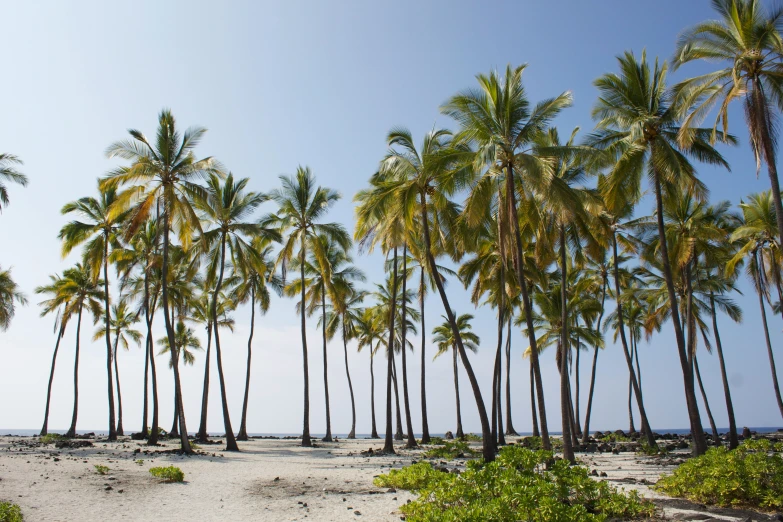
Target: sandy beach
x=268, y=480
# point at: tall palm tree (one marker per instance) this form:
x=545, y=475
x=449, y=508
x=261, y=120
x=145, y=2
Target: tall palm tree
x=185, y=341
x=58, y=305
x=444, y=338
x=756, y=234
x=75, y=291
x=498, y=120
x=9, y=294
x=163, y=172
x=369, y=333
x=746, y=39
x=9, y=173
x=99, y=231
x=302, y=206
x=122, y=322
x=225, y=206
x=255, y=279
x=639, y=128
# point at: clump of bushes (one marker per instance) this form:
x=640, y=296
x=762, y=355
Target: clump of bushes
x=534, y=443
x=615, y=437
x=750, y=476
x=10, y=512
x=450, y=450
x=50, y=438
x=101, y=470
x=436, y=441
x=520, y=485
x=168, y=474
x=472, y=437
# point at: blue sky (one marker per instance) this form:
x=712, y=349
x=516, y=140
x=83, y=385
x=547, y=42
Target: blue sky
x=280, y=84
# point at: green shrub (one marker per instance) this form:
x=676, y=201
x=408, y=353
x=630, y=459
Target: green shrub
x=472, y=437
x=751, y=475
x=450, y=450
x=50, y=438
x=534, y=443
x=140, y=462
x=101, y=470
x=10, y=512
x=437, y=441
x=651, y=451
x=613, y=437
x=169, y=474
x=517, y=486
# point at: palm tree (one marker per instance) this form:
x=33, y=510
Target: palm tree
x=756, y=234
x=99, y=231
x=254, y=282
x=75, y=291
x=498, y=120
x=225, y=206
x=164, y=172
x=9, y=173
x=302, y=205
x=54, y=304
x=9, y=294
x=122, y=323
x=185, y=343
x=444, y=338
x=746, y=39
x=639, y=130
x=369, y=333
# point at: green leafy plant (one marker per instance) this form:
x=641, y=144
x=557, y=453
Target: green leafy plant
x=10, y=512
x=614, y=437
x=168, y=474
x=651, y=451
x=140, y=462
x=472, y=437
x=101, y=470
x=436, y=441
x=450, y=450
x=51, y=438
x=534, y=443
x=520, y=485
x=750, y=475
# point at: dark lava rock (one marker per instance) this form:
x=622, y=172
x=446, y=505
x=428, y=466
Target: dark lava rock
x=61, y=444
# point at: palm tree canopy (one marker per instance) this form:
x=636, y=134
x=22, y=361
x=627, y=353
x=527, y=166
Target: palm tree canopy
x=443, y=336
x=10, y=295
x=9, y=174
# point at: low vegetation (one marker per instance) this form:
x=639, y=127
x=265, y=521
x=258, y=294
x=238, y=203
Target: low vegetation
x=10, y=512
x=450, y=450
x=51, y=438
x=520, y=485
x=749, y=476
x=101, y=470
x=168, y=474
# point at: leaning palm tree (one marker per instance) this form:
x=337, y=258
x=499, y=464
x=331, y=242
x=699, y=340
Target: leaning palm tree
x=122, y=321
x=58, y=305
x=444, y=338
x=255, y=279
x=75, y=291
x=498, y=120
x=9, y=173
x=9, y=297
x=99, y=231
x=746, y=39
x=165, y=173
x=638, y=127
x=302, y=205
x=225, y=207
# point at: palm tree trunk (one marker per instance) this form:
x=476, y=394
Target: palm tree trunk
x=352, y=434
x=586, y=432
x=496, y=376
x=697, y=432
x=642, y=413
x=184, y=442
x=306, y=422
x=148, y=317
x=72, y=430
x=110, y=386
x=174, y=433
x=565, y=391
x=775, y=384
x=733, y=439
x=411, y=443
x=459, y=433
x=631, y=428
x=574, y=437
x=536, y=432
x=60, y=333
x=243, y=423
x=231, y=442
x=488, y=445
x=527, y=304
x=501, y=440
x=145, y=408
x=202, y=435
x=388, y=444
x=761, y=114
x=120, y=431
x=374, y=432
x=509, y=425
x=577, y=419
x=715, y=434
x=328, y=436
x=398, y=434
x=425, y=429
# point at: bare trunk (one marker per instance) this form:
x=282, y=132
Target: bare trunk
x=398, y=434
x=565, y=389
x=775, y=384
x=715, y=434
x=459, y=433
x=202, y=435
x=72, y=430
x=425, y=429
x=352, y=434
x=411, y=443
x=631, y=428
x=306, y=422
x=120, y=431
x=109, y=384
x=586, y=432
x=733, y=439
x=536, y=432
x=243, y=423
x=388, y=444
x=509, y=424
x=60, y=333
x=328, y=436
x=148, y=316
x=145, y=408
x=374, y=433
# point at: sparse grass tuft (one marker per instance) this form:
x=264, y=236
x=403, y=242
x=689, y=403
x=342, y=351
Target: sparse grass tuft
x=169, y=474
x=450, y=450
x=101, y=470
x=51, y=438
